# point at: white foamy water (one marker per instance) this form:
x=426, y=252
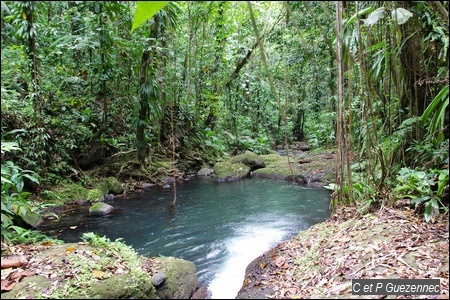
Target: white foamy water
x=250, y=242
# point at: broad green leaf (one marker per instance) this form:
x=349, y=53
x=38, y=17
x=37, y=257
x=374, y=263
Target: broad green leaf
x=440, y=99
x=401, y=15
x=374, y=16
x=145, y=10
x=32, y=178
x=360, y=13
x=9, y=146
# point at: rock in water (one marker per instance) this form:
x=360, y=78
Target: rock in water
x=100, y=209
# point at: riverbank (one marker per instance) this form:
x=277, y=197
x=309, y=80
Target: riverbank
x=321, y=262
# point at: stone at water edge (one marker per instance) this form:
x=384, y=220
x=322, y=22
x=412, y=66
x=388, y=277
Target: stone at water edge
x=100, y=209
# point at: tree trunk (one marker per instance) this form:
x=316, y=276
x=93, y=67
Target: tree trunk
x=146, y=91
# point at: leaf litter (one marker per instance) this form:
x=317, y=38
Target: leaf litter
x=391, y=243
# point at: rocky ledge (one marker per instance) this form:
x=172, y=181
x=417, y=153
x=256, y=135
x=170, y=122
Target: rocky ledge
x=98, y=270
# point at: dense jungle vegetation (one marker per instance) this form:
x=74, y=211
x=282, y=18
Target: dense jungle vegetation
x=202, y=80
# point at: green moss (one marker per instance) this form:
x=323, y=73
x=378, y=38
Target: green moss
x=247, y=157
x=94, y=194
x=94, y=279
x=123, y=286
x=228, y=169
x=65, y=193
x=114, y=185
x=103, y=187
x=277, y=166
x=95, y=206
x=31, y=285
x=176, y=269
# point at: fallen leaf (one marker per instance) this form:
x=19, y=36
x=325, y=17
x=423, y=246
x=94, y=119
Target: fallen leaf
x=13, y=279
x=71, y=248
x=280, y=261
x=13, y=261
x=338, y=288
x=98, y=274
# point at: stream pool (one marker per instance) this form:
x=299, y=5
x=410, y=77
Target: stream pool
x=219, y=226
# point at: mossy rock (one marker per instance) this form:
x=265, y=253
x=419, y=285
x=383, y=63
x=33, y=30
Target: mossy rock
x=250, y=159
x=122, y=286
x=229, y=171
x=96, y=267
x=28, y=286
x=68, y=192
x=103, y=187
x=181, y=280
x=32, y=218
x=100, y=209
x=277, y=167
x=114, y=185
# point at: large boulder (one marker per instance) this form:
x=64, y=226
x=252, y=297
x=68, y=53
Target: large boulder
x=31, y=218
x=228, y=171
x=250, y=159
x=175, y=279
x=205, y=172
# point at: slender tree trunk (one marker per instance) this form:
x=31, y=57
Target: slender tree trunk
x=103, y=92
x=338, y=196
x=29, y=10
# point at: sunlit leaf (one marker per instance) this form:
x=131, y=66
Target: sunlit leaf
x=71, y=248
x=145, y=10
x=401, y=15
x=98, y=274
x=375, y=16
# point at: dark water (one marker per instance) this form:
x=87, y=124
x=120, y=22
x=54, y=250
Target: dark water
x=221, y=227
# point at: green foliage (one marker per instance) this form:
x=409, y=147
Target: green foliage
x=19, y=235
x=364, y=193
x=145, y=10
x=244, y=142
x=14, y=203
x=214, y=144
x=434, y=116
x=95, y=240
x=425, y=189
x=319, y=130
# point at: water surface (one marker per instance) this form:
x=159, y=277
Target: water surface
x=221, y=227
